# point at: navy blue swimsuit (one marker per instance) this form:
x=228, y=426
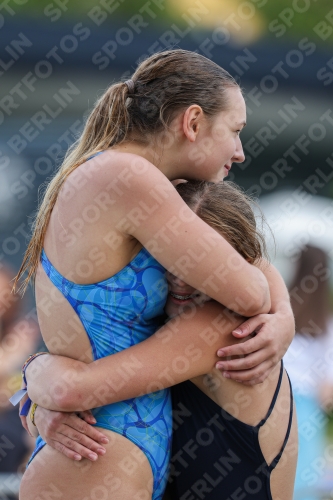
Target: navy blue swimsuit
x=215, y=456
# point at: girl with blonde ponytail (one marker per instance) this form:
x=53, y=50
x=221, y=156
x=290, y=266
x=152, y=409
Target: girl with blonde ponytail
x=110, y=224
x=107, y=125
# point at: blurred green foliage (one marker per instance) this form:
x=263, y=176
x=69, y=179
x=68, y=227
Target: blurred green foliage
x=78, y=9
x=301, y=22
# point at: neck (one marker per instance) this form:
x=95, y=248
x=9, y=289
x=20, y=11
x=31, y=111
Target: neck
x=166, y=161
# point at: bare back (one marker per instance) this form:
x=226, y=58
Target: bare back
x=78, y=245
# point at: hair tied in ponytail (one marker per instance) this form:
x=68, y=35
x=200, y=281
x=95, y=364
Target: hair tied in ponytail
x=154, y=100
x=131, y=86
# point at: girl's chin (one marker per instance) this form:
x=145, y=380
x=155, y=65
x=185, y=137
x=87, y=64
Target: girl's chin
x=220, y=176
x=172, y=310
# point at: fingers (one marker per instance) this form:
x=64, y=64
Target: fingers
x=22, y=417
x=87, y=416
x=23, y=400
x=254, y=376
x=258, y=380
x=84, y=429
x=24, y=424
x=240, y=364
x=248, y=326
x=72, y=436
x=65, y=451
x=69, y=436
x=82, y=444
x=244, y=348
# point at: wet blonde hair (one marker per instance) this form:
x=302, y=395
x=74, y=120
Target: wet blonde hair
x=228, y=210
x=164, y=84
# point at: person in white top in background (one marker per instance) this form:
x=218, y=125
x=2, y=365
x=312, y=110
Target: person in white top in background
x=309, y=362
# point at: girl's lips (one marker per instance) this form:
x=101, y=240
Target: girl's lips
x=180, y=302
x=228, y=167
x=182, y=295
x=181, y=298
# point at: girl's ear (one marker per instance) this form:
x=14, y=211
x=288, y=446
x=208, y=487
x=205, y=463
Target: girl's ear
x=192, y=121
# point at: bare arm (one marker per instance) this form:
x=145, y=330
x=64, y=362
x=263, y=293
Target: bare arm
x=65, y=433
x=182, y=242
x=182, y=349
x=275, y=333
x=46, y=373
x=280, y=300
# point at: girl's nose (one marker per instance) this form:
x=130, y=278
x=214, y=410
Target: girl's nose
x=239, y=156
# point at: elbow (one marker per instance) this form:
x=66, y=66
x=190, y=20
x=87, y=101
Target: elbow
x=260, y=302
x=264, y=307
x=60, y=401
x=251, y=307
x=261, y=306
x=69, y=393
x=66, y=400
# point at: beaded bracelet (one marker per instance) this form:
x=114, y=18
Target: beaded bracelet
x=16, y=398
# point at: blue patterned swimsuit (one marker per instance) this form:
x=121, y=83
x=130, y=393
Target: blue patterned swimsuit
x=117, y=313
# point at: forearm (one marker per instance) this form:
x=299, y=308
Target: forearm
x=260, y=285
x=223, y=274
x=64, y=384
x=50, y=376
x=68, y=385
x=280, y=301
x=280, y=308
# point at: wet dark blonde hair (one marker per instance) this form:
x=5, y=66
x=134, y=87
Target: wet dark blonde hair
x=10, y=310
x=163, y=85
x=228, y=210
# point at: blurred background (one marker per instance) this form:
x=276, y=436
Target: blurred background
x=57, y=57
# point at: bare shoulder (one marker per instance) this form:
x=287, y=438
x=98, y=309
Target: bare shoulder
x=126, y=177
x=125, y=168
x=116, y=179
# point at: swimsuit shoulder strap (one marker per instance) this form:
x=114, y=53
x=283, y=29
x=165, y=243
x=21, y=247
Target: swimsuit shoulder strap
x=276, y=393
x=56, y=278
x=96, y=154
x=275, y=461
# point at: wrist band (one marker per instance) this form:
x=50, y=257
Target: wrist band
x=27, y=363
x=32, y=413
x=16, y=398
